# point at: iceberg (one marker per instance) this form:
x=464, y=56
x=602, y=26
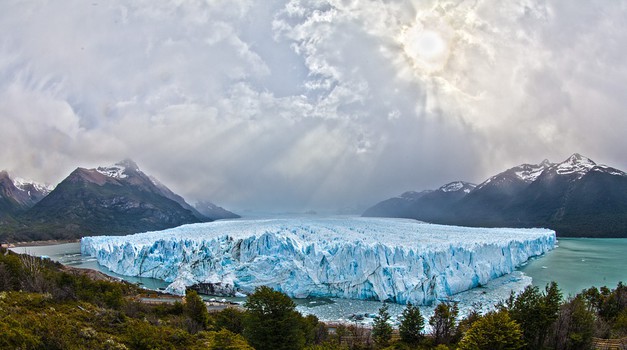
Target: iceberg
x=394, y=260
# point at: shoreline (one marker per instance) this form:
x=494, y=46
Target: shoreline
x=41, y=243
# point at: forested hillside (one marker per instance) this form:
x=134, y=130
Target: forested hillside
x=45, y=305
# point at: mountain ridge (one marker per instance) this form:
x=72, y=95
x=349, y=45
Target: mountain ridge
x=576, y=197
x=213, y=211
x=116, y=199
x=18, y=195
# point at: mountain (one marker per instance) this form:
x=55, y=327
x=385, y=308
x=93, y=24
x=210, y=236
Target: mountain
x=482, y=206
x=17, y=195
x=214, y=212
x=576, y=197
x=426, y=205
x=118, y=199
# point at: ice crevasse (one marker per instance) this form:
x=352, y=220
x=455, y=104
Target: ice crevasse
x=394, y=260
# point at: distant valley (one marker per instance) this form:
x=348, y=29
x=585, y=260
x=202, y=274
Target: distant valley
x=118, y=199
x=576, y=198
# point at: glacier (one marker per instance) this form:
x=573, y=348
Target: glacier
x=394, y=260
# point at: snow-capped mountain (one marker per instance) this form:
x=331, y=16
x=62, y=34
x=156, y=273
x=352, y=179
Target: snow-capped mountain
x=576, y=197
x=578, y=166
x=575, y=164
x=35, y=188
x=457, y=186
x=524, y=173
x=116, y=171
x=117, y=199
x=18, y=195
x=427, y=205
x=127, y=170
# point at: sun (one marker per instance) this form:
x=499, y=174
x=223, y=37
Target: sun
x=426, y=45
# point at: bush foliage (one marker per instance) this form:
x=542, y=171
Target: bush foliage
x=43, y=305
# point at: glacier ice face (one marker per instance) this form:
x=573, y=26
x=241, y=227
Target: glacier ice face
x=384, y=259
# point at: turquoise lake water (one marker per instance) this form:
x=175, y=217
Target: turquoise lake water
x=579, y=263
x=576, y=263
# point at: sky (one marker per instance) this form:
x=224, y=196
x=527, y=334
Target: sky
x=292, y=105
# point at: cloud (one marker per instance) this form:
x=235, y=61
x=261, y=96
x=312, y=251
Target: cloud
x=297, y=104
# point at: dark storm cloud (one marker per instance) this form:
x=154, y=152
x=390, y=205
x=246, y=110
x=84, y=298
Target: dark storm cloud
x=309, y=104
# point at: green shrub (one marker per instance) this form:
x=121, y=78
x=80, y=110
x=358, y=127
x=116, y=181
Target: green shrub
x=272, y=322
x=494, y=331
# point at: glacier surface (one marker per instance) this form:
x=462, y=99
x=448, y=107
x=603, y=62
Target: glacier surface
x=385, y=259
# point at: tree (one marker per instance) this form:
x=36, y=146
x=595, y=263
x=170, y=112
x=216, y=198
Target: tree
x=314, y=331
x=5, y=277
x=230, y=319
x=226, y=340
x=196, y=310
x=620, y=324
x=536, y=312
x=271, y=321
x=464, y=325
x=381, y=329
x=614, y=302
x=574, y=327
x=412, y=325
x=610, y=307
x=525, y=310
x=593, y=299
x=494, y=331
x=443, y=322
x=549, y=310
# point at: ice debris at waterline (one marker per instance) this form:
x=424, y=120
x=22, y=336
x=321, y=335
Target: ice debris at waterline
x=384, y=259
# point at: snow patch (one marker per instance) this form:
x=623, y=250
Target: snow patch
x=530, y=172
x=453, y=186
x=575, y=164
x=608, y=170
x=114, y=171
x=21, y=184
x=457, y=186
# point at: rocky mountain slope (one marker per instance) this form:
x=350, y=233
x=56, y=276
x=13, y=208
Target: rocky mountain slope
x=426, y=205
x=118, y=199
x=576, y=197
x=213, y=211
x=17, y=196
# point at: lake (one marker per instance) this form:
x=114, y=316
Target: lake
x=579, y=263
x=576, y=263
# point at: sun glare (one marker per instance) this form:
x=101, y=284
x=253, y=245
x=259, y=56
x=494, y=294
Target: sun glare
x=426, y=48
